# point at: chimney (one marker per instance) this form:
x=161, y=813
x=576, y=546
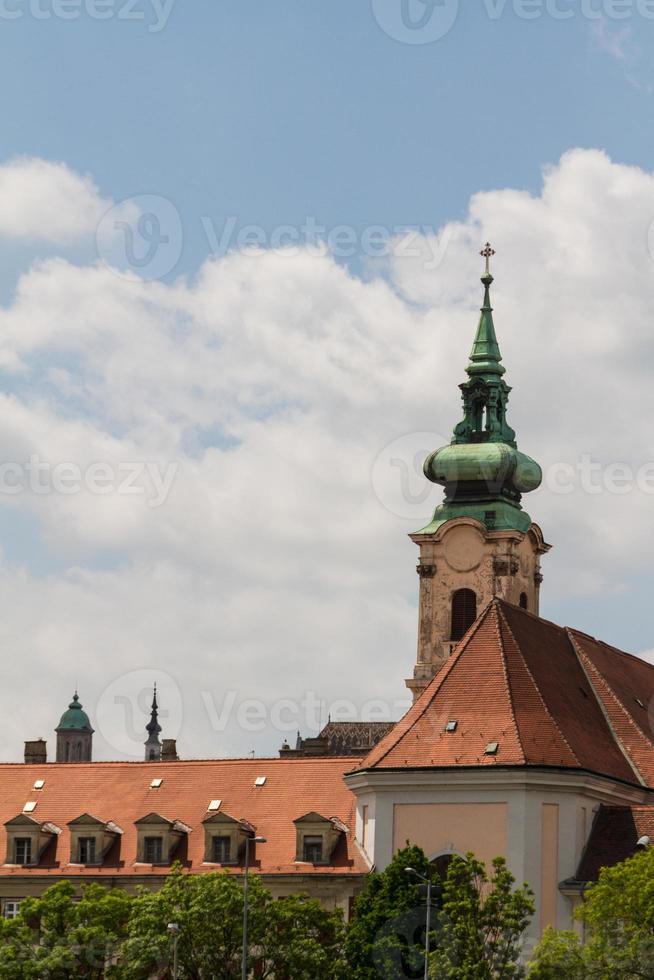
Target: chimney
x=169, y=750
x=36, y=752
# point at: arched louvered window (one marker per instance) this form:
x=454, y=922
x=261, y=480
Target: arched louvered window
x=524, y=602
x=464, y=612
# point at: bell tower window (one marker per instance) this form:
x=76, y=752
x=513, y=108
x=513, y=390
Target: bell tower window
x=524, y=601
x=464, y=612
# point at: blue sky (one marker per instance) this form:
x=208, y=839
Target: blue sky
x=274, y=111
x=268, y=384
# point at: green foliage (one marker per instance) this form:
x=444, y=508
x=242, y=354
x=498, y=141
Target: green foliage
x=618, y=913
x=57, y=938
x=386, y=935
x=108, y=934
x=291, y=937
x=481, y=923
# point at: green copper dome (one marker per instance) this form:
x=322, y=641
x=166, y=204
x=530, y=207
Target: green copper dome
x=75, y=719
x=483, y=472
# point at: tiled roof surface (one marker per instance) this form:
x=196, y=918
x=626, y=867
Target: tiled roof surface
x=614, y=836
x=120, y=792
x=520, y=681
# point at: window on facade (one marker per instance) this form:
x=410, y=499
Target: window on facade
x=86, y=850
x=312, y=850
x=153, y=850
x=221, y=850
x=464, y=612
x=23, y=850
x=524, y=602
x=10, y=908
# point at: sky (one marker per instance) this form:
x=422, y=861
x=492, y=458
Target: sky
x=239, y=283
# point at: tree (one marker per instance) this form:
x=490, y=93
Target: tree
x=386, y=935
x=291, y=937
x=56, y=937
x=618, y=913
x=481, y=923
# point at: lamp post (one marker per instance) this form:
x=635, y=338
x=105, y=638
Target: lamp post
x=427, y=881
x=173, y=929
x=248, y=841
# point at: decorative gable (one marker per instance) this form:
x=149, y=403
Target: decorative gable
x=27, y=839
x=224, y=838
x=158, y=838
x=91, y=839
x=317, y=837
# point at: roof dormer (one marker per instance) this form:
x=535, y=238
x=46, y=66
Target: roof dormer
x=317, y=837
x=224, y=837
x=158, y=839
x=91, y=839
x=27, y=839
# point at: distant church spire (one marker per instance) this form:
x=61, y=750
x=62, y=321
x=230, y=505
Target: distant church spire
x=153, y=728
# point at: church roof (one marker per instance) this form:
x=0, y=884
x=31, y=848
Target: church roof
x=525, y=692
x=125, y=792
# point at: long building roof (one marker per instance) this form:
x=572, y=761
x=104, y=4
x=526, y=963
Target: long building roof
x=122, y=793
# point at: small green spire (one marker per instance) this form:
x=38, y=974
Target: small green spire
x=485, y=357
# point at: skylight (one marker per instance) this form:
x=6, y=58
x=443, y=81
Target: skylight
x=30, y=806
x=214, y=805
x=492, y=748
x=451, y=726
x=156, y=783
x=38, y=784
x=260, y=781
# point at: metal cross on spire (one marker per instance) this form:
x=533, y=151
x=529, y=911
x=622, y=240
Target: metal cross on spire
x=487, y=253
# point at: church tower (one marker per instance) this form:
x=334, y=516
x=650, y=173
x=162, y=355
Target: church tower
x=74, y=734
x=480, y=543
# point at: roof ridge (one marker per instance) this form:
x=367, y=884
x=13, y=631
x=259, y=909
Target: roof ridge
x=611, y=647
x=588, y=667
x=432, y=688
x=537, y=689
x=500, y=613
x=527, y=612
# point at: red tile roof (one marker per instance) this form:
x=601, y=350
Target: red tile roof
x=548, y=696
x=121, y=792
x=614, y=836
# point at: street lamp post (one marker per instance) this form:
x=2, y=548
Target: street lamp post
x=412, y=871
x=173, y=929
x=248, y=841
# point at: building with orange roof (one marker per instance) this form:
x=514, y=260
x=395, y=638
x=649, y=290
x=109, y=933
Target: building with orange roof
x=525, y=739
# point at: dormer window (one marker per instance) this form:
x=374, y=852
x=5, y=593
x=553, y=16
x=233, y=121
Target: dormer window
x=91, y=839
x=159, y=839
x=153, y=850
x=23, y=850
x=317, y=837
x=312, y=850
x=224, y=837
x=221, y=850
x=28, y=840
x=86, y=850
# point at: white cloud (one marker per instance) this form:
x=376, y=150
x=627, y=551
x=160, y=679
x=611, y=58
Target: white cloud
x=47, y=202
x=274, y=382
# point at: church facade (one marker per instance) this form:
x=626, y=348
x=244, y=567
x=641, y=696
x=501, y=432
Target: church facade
x=525, y=739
